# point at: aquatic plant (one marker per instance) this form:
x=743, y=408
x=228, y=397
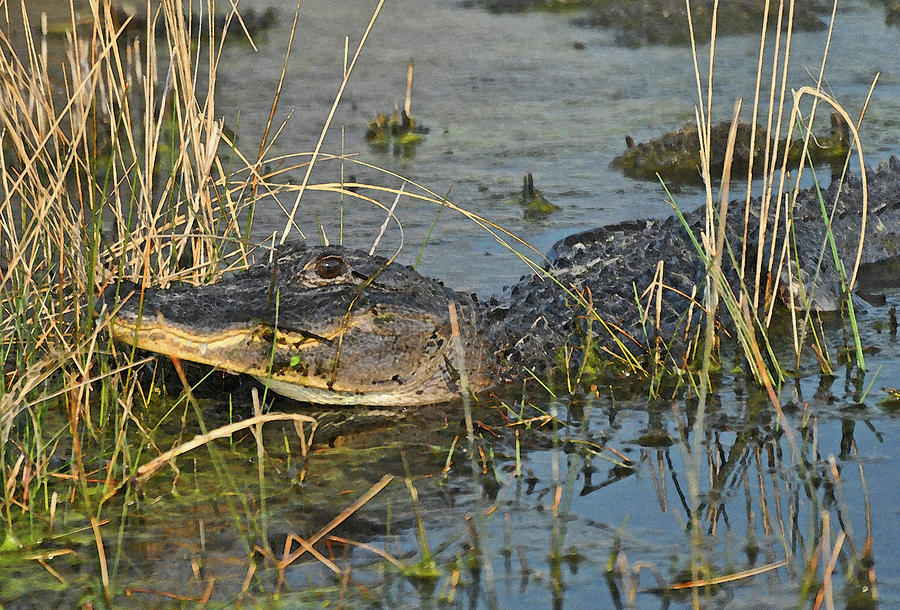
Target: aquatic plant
x=532, y=200
x=398, y=133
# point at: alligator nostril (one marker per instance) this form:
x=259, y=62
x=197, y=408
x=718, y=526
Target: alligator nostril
x=330, y=267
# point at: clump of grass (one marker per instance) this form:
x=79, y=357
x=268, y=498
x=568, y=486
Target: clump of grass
x=533, y=202
x=741, y=286
x=745, y=296
x=118, y=166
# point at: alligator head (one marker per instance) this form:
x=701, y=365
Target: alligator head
x=320, y=324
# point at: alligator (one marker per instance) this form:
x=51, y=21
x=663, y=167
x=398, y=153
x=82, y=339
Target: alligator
x=332, y=325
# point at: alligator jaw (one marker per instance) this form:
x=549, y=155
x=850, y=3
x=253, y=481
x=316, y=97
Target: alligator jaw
x=236, y=349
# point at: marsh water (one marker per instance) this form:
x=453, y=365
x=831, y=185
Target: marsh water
x=603, y=479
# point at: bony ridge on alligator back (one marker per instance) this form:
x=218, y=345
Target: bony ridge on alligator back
x=335, y=326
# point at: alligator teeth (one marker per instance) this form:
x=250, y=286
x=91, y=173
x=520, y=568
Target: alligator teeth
x=203, y=348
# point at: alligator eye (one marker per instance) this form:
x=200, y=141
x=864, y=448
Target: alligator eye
x=330, y=267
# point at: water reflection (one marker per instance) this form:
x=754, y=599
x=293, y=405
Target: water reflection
x=590, y=501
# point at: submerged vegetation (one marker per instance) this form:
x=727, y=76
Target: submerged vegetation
x=119, y=169
x=398, y=134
